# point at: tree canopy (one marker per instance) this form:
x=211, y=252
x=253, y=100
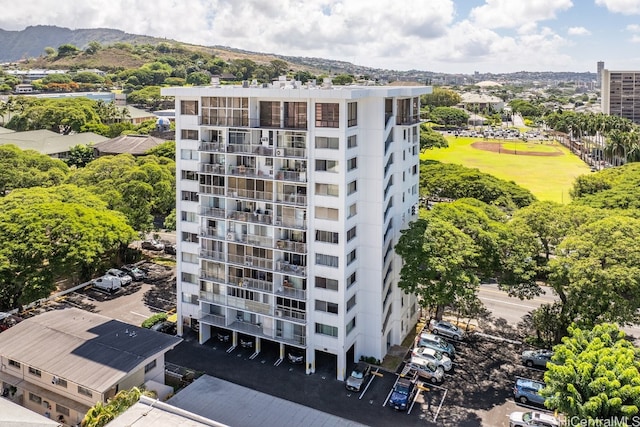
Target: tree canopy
x=28, y=168
x=441, y=97
x=594, y=376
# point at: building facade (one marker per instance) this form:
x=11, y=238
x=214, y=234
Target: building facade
x=290, y=199
x=599, y=68
x=620, y=92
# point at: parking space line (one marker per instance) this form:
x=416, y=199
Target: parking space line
x=278, y=362
x=230, y=349
x=368, y=384
x=138, y=314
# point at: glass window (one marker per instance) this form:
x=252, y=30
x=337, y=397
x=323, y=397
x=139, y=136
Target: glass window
x=351, y=280
x=35, y=372
x=327, y=190
x=84, y=391
x=326, y=142
x=14, y=363
x=353, y=210
x=149, y=366
x=351, y=325
x=352, y=187
x=62, y=410
x=35, y=398
x=322, y=329
x=352, y=141
x=327, y=166
x=189, y=108
x=325, y=283
x=352, y=114
x=326, y=236
x=327, y=213
x=189, y=134
x=351, y=256
x=327, y=115
x=328, y=260
x=351, y=303
x=351, y=233
x=327, y=307
x=352, y=163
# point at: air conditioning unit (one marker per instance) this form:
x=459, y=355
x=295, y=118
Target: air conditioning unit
x=55, y=380
x=264, y=139
x=280, y=152
x=277, y=222
x=279, y=313
x=229, y=236
x=248, y=263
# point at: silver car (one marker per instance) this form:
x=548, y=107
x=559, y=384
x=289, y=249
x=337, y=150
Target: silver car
x=433, y=356
x=447, y=329
x=358, y=377
x=124, y=277
x=536, y=358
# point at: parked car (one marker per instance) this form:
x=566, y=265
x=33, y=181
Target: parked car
x=434, y=356
x=135, y=272
x=437, y=343
x=152, y=245
x=427, y=370
x=170, y=249
x=402, y=394
x=360, y=374
x=532, y=419
x=528, y=391
x=536, y=358
x=165, y=327
x=447, y=329
x=295, y=356
x=124, y=277
x=107, y=283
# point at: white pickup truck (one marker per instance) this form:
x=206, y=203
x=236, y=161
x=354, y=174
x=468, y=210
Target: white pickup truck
x=107, y=283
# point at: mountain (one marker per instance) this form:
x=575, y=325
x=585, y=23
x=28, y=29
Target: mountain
x=31, y=42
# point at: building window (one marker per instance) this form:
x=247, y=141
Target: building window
x=327, y=213
x=189, y=196
x=149, y=366
x=189, y=175
x=322, y=329
x=327, y=236
x=351, y=325
x=190, y=258
x=414, y=169
x=352, y=114
x=35, y=372
x=327, y=307
x=62, y=410
x=189, y=108
x=189, y=278
x=35, y=398
x=328, y=143
x=352, y=187
x=351, y=280
x=190, y=298
x=14, y=363
x=328, y=260
x=351, y=256
x=353, y=210
x=327, y=115
x=189, y=237
x=325, y=283
x=351, y=303
x=189, y=154
x=352, y=164
x=352, y=141
x=327, y=166
x=351, y=233
x=59, y=381
x=84, y=391
x=327, y=190
x=188, y=216
x=189, y=134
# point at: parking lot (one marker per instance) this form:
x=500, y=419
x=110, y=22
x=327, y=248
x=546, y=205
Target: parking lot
x=477, y=391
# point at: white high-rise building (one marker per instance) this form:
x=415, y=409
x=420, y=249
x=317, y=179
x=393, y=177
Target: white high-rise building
x=290, y=199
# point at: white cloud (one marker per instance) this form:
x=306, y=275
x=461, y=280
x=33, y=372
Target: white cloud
x=578, y=31
x=625, y=7
x=514, y=13
x=633, y=28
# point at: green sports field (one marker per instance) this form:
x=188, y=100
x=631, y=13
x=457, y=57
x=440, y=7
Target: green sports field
x=548, y=175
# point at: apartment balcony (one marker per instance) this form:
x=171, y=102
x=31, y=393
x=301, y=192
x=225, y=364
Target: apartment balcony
x=407, y=120
x=249, y=305
x=214, y=147
x=212, y=255
x=229, y=121
x=297, y=316
x=292, y=176
x=211, y=189
x=294, y=269
x=259, y=150
x=295, y=339
x=294, y=199
x=212, y=319
x=291, y=246
x=291, y=152
x=212, y=168
x=255, y=218
x=211, y=276
x=288, y=291
x=251, y=261
x=212, y=233
x=212, y=212
x=250, y=283
x=213, y=297
x=254, y=240
x=242, y=193
x=290, y=222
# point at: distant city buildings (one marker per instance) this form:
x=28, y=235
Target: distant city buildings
x=600, y=68
x=621, y=94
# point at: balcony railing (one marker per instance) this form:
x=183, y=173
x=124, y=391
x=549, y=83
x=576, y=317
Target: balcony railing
x=210, y=276
x=296, y=199
x=251, y=217
x=291, y=292
x=212, y=212
x=292, y=246
x=293, y=176
x=212, y=189
x=286, y=267
x=217, y=147
x=213, y=255
x=259, y=150
x=250, y=283
x=255, y=240
x=212, y=233
x=251, y=261
x=213, y=297
x=250, y=194
x=289, y=222
x=291, y=152
x=287, y=313
x=214, y=168
x=212, y=319
x=250, y=305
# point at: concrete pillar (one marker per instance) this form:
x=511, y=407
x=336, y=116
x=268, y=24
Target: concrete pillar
x=342, y=365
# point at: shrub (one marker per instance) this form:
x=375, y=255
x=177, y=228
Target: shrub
x=156, y=318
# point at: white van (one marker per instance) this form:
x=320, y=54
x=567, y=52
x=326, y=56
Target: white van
x=107, y=283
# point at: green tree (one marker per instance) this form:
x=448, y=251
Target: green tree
x=67, y=50
x=439, y=262
x=343, y=79
x=80, y=155
x=47, y=233
x=198, y=78
x=429, y=138
x=93, y=48
x=25, y=169
x=594, y=376
x=449, y=116
x=166, y=149
x=441, y=97
x=101, y=414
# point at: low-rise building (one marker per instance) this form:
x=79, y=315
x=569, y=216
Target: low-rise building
x=60, y=363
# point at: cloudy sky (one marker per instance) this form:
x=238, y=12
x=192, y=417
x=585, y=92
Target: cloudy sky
x=452, y=36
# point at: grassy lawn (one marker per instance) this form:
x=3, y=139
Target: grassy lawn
x=548, y=178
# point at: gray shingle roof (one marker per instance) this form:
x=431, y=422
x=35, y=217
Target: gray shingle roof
x=133, y=144
x=83, y=347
